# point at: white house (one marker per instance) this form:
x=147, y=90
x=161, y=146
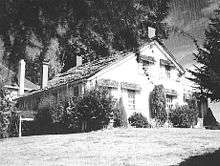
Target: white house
x=130, y=76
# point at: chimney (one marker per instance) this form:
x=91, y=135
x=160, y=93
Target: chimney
x=78, y=60
x=21, y=76
x=151, y=32
x=44, y=74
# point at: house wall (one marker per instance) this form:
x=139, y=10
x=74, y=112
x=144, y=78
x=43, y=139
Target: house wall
x=128, y=70
x=48, y=99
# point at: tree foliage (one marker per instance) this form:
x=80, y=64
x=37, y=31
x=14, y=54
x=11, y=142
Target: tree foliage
x=183, y=116
x=207, y=76
x=138, y=120
x=89, y=28
x=120, y=116
x=8, y=115
x=92, y=111
x=158, y=104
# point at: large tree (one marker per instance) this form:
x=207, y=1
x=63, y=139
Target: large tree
x=111, y=25
x=89, y=28
x=207, y=75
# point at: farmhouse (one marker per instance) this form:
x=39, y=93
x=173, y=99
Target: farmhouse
x=130, y=76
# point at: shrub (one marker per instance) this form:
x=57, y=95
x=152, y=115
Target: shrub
x=138, y=120
x=90, y=112
x=43, y=122
x=120, y=116
x=183, y=116
x=8, y=118
x=158, y=104
x=48, y=121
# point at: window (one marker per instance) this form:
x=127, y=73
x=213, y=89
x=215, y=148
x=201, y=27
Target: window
x=168, y=70
x=146, y=65
x=169, y=101
x=76, y=91
x=131, y=99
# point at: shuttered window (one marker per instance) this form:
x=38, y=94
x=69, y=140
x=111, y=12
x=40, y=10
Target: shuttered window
x=131, y=99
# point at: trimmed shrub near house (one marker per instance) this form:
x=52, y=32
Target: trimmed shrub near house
x=138, y=120
x=120, y=116
x=183, y=116
x=92, y=111
x=158, y=104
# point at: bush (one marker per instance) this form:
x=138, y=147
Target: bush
x=138, y=120
x=120, y=116
x=43, y=122
x=9, y=119
x=158, y=104
x=183, y=116
x=48, y=121
x=93, y=110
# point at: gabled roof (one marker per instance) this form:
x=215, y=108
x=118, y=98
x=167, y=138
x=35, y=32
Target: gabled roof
x=85, y=71
x=88, y=70
x=170, y=56
x=9, y=80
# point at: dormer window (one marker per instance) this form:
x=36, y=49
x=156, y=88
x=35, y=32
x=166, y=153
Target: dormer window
x=168, y=66
x=168, y=71
x=146, y=62
x=164, y=62
x=148, y=59
x=146, y=65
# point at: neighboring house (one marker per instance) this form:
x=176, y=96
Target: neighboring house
x=129, y=76
x=11, y=83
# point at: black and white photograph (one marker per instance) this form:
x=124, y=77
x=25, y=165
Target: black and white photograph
x=109, y=82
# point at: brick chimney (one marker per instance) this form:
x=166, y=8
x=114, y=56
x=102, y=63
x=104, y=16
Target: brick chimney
x=21, y=76
x=78, y=60
x=44, y=74
x=151, y=32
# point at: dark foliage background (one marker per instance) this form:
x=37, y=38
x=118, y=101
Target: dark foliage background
x=9, y=116
x=58, y=30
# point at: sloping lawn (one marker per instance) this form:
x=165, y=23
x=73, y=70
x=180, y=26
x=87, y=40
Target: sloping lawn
x=110, y=147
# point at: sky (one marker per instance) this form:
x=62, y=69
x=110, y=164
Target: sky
x=191, y=16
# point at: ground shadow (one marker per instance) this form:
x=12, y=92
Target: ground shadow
x=208, y=159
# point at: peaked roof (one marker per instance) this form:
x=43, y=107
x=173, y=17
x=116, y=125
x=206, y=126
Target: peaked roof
x=173, y=59
x=9, y=80
x=87, y=70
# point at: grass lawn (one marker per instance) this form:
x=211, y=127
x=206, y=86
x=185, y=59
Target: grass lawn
x=110, y=147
